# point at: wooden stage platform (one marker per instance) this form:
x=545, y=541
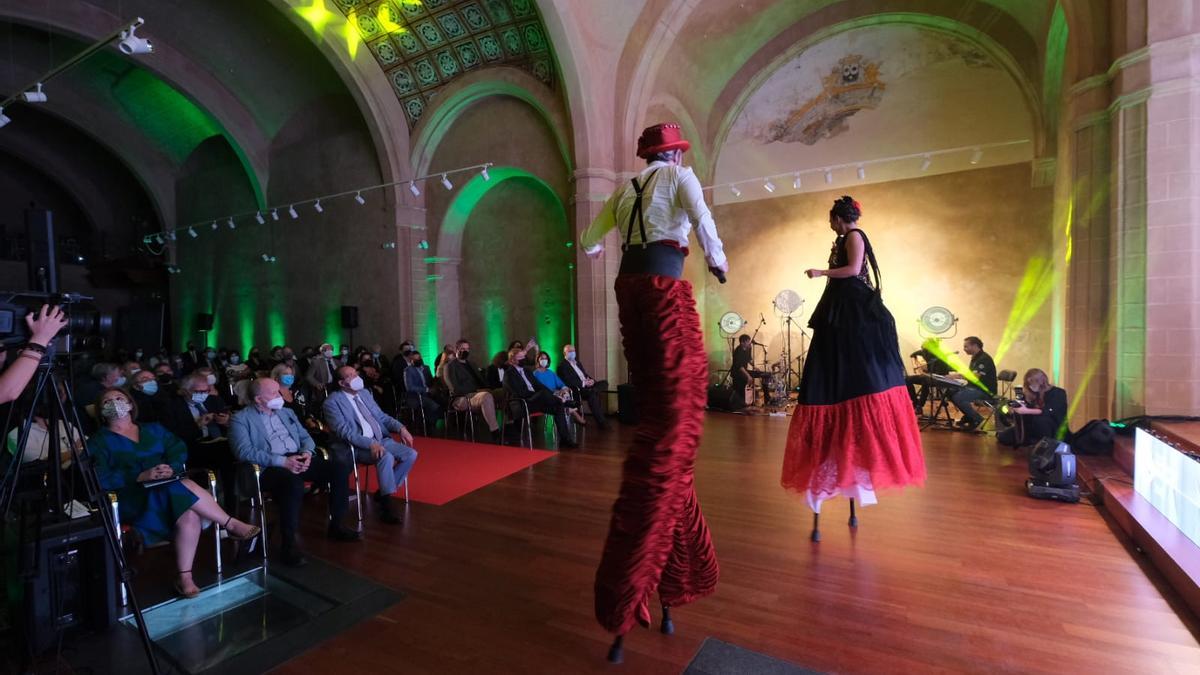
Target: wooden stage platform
x=967, y=574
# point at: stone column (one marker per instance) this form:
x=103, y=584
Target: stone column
x=599, y=339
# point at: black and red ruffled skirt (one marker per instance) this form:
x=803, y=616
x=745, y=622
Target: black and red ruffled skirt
x=853, y=431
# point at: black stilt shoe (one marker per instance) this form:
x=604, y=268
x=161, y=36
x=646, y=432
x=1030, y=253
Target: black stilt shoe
x=616, y=653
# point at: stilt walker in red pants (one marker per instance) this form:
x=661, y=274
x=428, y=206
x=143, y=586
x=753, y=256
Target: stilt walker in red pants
x=658, y=539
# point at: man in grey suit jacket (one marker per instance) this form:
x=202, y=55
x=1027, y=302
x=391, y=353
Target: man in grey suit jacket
x=268, y=434
x=363, y=430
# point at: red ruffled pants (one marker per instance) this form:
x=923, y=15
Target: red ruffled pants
x=658, y=538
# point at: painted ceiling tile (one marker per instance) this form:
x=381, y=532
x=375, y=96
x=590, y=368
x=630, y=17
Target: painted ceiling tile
x=451, y=26
x=489, y=44
x=403, y=82
x=468, y=54
x=429, y=34
x=499, y=11
x=475, y=17
x=447, y=63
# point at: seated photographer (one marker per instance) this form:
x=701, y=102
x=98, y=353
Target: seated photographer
x=269, y=435
x=984, y=369
x=127, y=455
x=1039, y=414
x=43, y=325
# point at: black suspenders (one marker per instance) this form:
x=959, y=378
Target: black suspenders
x=636, y=212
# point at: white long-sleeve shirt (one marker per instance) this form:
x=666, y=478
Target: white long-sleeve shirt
x=672, y=203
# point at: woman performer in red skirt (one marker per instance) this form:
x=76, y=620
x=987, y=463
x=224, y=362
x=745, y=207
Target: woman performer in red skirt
x=853, y=431
x=658, y=539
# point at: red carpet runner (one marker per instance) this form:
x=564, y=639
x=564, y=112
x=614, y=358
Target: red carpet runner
x=446, y=470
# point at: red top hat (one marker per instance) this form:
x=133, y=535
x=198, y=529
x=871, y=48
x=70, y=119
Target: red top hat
x=660, y=138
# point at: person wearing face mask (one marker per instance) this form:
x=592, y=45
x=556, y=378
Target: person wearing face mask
x=418, y=387
x=344, y=358
x=467, y=388
x=165, y=376
x=321, y=375
x=443, y=358
x=145, y=390
x=189, y=360
x=103, y=376
x=589, y=391
x=521, y=384
x=293, y=396
x=554, y=383
x=256, y=362
x=363, y=432
x=238, y=375
x=268, y=434
x=128, y=455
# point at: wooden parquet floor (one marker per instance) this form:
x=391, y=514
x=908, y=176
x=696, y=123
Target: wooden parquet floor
x=964, y=575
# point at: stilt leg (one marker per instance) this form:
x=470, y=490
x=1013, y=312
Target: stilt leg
x=816, y=531
x=668, y=626
x=853, y=518
x=616, y=653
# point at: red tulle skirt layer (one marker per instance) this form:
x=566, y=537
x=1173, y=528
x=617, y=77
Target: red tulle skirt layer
x=658, y=539
x=869, y=441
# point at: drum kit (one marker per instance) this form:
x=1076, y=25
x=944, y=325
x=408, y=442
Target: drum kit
x=781, y=377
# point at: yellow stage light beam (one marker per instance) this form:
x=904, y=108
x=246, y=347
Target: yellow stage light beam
x=1036, y=287
x=350, y=32
x=384, y=14
x=1099, y=353
x=317, y=15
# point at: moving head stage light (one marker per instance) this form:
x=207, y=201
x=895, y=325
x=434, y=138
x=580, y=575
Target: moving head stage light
x=1052, y=472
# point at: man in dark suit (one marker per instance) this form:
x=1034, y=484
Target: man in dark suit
x=200, y=418
x=360, y=429
x=191, y=358
x=521, y=384
x=144, y=389
x=271, y=436
x=590, y=391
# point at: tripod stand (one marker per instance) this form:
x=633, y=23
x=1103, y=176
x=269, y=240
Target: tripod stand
x=58, y=403
x=788, y=323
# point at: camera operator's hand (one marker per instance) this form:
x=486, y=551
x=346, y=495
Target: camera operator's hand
x=45, y=324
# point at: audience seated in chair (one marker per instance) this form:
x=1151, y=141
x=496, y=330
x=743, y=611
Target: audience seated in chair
x=175, y=511
x=521, y=384
x=1042, y=415
x=467, y=389
x=360, y=430
x=590, y=391
x=554, y=383
x=266, y=433
x=984, y=369
x=321, y=375
x=417, y=387
x=145, y=391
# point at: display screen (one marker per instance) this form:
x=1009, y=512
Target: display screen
x=1170, y=480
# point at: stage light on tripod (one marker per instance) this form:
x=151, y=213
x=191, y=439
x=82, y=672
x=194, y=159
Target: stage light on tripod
x=926, y=162
x=862, y=172
x=796, y=184
x=769, y=186
x=736, y=192
x=977, y=155
x=828, y=176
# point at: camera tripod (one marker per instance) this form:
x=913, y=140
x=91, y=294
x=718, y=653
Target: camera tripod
x=58, y=403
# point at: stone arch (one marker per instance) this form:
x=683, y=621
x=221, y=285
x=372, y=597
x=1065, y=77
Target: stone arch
x=467, y=90
x=450, y=322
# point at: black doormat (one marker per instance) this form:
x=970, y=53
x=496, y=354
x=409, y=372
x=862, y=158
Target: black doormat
x=721, y=658
x=248, y=624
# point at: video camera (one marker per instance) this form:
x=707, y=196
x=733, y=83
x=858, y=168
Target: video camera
x=83, y=319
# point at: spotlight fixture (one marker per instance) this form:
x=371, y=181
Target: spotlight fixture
x=258, y=216
x=4, y=119
x=292, y=212
x=423, y=244
x=796, y=184
x=266, y=258
x=318, y=208
x=388, y=245
x=977, y=155
x=446, y=183
x=862, y=172
x=158, y=239
x=736, y=192
x=214, y=225
x=828, y=176
x=171, y=235
x=412, y=187
x=483, y=172
x=359, y=198
x=132, y=44
x=192, y=232
x=926, y=162
x=274, y=214
x=231, y=224
x=35, y=95
x=769, y=186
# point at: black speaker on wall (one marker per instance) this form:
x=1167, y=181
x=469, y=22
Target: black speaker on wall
x=349, y=317
x=204, y=322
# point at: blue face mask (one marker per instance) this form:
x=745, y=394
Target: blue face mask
x=120, y=382
x=287, y=380
x=150, y=388
x=200, y=396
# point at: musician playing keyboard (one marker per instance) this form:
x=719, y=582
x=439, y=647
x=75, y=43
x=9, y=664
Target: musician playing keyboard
x=984, y=369
x=927, y=366
x=743, y=357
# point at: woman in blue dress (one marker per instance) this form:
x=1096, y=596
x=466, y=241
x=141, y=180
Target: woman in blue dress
x=127, y=455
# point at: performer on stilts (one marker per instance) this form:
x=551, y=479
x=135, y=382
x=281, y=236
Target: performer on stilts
x=658, y=539
x=853, y=431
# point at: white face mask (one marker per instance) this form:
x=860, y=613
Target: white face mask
x=570, y=356
x=115, y=408
x=275, y=403
x=544, y=363
x=356, y=384
x=212, y=379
